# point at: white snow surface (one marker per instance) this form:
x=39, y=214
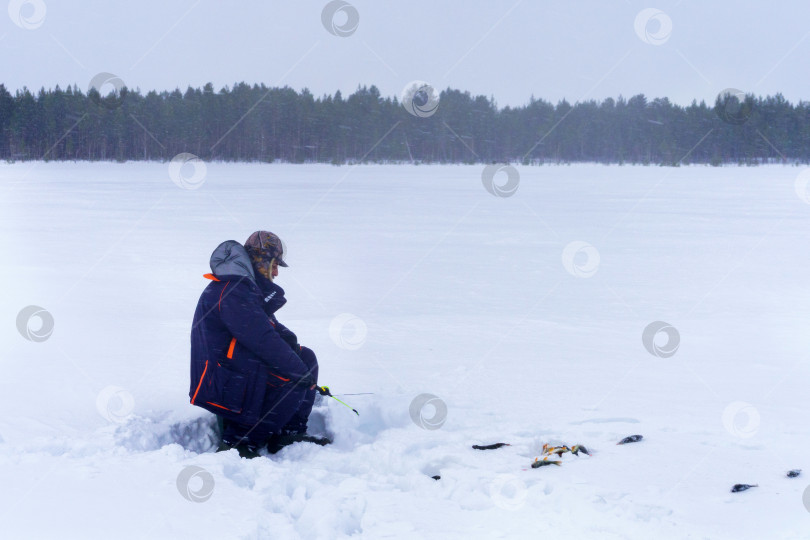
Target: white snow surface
x=452, y=292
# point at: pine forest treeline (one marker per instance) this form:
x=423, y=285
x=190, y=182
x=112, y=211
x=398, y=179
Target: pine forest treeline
x=257, y=123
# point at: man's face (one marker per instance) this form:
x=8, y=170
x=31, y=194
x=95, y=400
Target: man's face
x=268, y=270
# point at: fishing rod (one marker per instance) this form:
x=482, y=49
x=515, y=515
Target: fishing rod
x=324, y=391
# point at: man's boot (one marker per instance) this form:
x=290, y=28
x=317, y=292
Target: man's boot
x=245, y=450
x=280, y=440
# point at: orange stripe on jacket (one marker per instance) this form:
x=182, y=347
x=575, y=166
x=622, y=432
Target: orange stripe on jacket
x=217, y=405
x=199, y=383
x=212, y=277
x=230, y=349
x=220, y=295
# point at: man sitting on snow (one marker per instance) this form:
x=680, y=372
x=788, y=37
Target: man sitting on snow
x=246, y=367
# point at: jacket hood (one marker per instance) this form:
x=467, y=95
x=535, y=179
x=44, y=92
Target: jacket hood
x=231, y=259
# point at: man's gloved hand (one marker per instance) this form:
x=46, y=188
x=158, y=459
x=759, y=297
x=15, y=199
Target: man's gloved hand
x=307, y=381
x=323, y=390
x=289, y=337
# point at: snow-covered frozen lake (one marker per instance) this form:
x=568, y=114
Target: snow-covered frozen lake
x=523, y=315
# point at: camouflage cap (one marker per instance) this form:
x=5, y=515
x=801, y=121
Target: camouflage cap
x=263, y=246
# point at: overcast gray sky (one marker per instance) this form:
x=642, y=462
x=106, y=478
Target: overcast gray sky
x=682, y=49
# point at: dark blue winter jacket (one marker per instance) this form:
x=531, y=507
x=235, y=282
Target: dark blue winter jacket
x=236, y=351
